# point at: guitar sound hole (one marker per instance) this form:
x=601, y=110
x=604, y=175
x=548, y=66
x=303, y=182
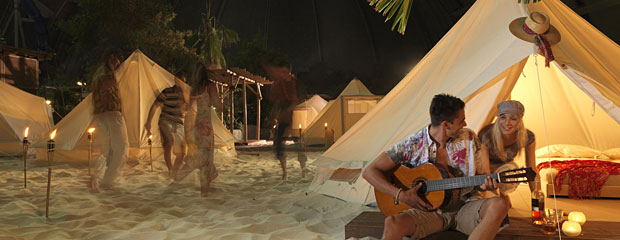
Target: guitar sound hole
x=422, y=189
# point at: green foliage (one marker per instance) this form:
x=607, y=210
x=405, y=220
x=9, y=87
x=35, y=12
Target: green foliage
x=248, y=53
x=211, y=38
x=391, y=8
x=127, y=25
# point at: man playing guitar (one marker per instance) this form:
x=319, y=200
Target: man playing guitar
x=448, y=145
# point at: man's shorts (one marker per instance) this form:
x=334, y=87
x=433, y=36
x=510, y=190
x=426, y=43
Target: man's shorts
x=172, y=133
x=464, y=220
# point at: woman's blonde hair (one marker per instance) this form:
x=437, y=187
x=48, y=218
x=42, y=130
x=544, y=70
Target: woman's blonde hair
x=498, y=141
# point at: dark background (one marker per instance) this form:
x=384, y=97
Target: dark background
x=329, y=42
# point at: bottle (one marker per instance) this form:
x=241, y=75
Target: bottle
x=538, y=203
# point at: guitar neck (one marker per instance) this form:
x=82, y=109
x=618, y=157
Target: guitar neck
x=459, y=182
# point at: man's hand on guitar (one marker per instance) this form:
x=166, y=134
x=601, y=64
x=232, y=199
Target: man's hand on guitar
x=411, y=198
x=489, y=184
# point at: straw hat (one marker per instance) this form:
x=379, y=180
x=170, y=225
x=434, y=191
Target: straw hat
x=538, y=22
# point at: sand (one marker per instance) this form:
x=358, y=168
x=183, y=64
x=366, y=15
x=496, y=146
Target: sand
x=247, y=201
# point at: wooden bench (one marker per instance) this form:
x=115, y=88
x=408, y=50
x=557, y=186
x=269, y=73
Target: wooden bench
x=371, y=224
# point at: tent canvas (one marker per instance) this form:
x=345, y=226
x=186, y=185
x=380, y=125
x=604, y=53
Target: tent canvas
x=140, y=80
x=223, y=139
x=18, y=110
x=305, y=113
x=481, y=62
x=341, y=113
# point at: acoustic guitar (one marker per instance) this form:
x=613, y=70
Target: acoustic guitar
x=436, y=185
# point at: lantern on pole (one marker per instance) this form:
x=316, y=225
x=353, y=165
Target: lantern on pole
x=90, y=147
x=25, y=148
x=151, y=150
x=50, y=157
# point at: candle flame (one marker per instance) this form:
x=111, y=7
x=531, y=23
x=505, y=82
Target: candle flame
x=26, y=132
x=91, y=130
x=53, y=134
x=325, y=124
x=151, y=136
x=300, y=126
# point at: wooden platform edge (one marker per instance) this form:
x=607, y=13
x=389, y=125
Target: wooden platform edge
x=606, y=191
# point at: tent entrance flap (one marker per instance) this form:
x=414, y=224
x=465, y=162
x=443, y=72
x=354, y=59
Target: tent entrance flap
x=480, y=105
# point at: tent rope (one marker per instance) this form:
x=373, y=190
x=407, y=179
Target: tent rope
x=555, y=202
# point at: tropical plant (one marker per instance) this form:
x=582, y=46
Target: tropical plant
x=211, y=38
x=126, y=25
x=400, y=9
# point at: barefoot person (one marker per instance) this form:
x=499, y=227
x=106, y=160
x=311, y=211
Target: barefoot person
x=173, y=102
x=199, y=131
x=112, y=139
x=283, y=96
x=448, y=145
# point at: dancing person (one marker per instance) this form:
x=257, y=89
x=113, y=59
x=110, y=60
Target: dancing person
x=283, y=96
x=507, y=137
x=173, y=103
x=447, y=144
x=112, y=139
x=199, y=131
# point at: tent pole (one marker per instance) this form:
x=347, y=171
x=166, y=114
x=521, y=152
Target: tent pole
x=232, y=105
x=258, y=100
x=221, y=91
x=245, y=112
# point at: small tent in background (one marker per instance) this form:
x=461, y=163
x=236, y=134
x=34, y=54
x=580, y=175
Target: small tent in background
x=140, y=80
x=18, y=110
x=481, y=62
x=341, y=113
x=305, y=113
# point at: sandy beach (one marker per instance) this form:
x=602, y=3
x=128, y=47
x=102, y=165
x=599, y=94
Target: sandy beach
x=247, y=201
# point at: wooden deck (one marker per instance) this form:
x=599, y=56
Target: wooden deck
x=371, y=224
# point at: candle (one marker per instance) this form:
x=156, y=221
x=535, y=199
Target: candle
x=571, y=228
x=325, y=135
x=578, y=217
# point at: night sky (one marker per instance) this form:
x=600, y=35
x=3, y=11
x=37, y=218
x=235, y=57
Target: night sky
x=330, y=42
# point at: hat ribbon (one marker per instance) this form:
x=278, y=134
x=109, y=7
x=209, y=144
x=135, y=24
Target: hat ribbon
x=543, y=46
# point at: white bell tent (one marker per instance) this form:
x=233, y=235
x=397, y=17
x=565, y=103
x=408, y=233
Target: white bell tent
x=574, y=101
x=341, y=113
x=140, y=80
x=18, y=110
x=305, y=113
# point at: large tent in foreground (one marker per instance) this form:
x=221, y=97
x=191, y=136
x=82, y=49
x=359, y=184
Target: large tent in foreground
x=341, y=113
x=140, y=80
x=18, y=110
x=305, y=113
x=574, y=101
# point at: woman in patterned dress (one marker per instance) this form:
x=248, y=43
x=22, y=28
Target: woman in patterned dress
x=199, y=131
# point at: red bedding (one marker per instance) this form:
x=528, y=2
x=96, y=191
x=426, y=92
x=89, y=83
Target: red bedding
x=585, y=177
